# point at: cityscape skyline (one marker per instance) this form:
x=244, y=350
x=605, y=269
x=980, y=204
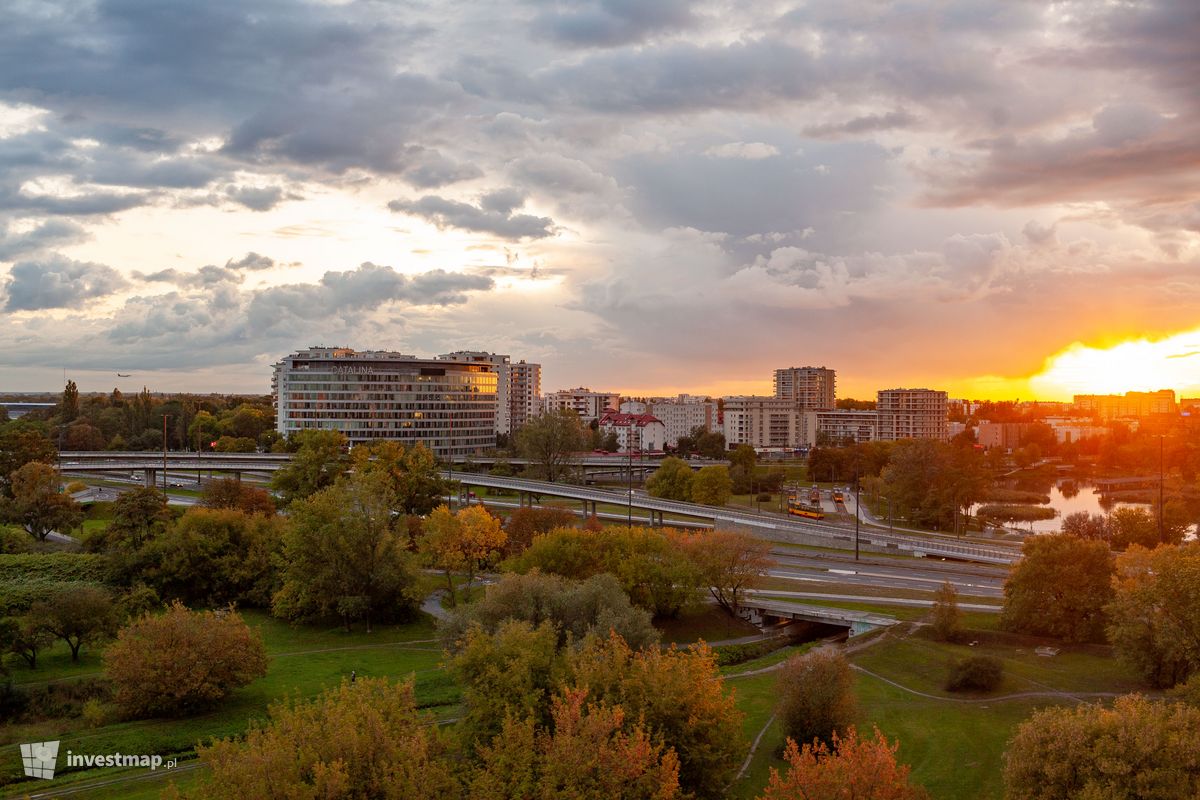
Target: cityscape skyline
x=995, y=199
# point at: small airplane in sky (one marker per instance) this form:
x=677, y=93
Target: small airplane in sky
x=120, y=375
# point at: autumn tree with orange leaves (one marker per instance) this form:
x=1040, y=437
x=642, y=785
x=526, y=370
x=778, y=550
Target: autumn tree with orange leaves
x=864, y=769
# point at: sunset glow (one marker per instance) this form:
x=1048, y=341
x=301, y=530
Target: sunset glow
x=1139, y=365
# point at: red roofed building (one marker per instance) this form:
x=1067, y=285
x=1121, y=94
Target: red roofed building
x=635, y=432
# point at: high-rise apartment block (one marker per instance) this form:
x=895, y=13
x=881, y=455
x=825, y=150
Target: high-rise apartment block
x=810, y=388
x=839, y=427
x=587, y=404
x=911, y=414
x=1131, y=404
x=519, y=387
x=761, y=422
x=450, y=406
x=683, y=415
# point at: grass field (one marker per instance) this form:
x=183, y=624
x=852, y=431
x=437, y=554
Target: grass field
x=304, y=661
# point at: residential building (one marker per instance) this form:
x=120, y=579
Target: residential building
x=637, y=433
x=911, y=414
x=1005, y=435
x=1131, y=404
x=1074, y=429
x=518, y=387
x=634, y=407
x=761, y=422
x=838, y=427
x=589, y=405
x=808, y=387
x=683, y=414
x=374, y=395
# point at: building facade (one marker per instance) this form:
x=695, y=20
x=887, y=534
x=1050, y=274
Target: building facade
x=761, y=422
x=518, y=387
x=449, y=406
x=589, y=405
x=911, y=414
x=810, y=388
x=839, y=427
x=683, y=415
x=1131, y=404
x=636, y=433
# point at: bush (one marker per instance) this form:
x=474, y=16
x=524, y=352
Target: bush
x=182, y=661
x=975, y=674
x=816, y=696
x=729, y=655
x=13, y=701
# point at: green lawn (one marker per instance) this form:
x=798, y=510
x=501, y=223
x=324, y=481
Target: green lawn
x=304, y=661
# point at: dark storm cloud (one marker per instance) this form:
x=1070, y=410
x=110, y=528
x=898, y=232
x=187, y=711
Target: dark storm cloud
x=607, y=23
x=57, y=282
x=493, y=215
x=50, y=234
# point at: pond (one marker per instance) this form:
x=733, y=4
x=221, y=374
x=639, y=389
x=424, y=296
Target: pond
x=1085, y=499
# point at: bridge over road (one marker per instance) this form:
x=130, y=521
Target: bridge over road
x=767, y=612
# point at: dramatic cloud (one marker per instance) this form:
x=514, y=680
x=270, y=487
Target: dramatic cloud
x=58, y=282
x=50, y=234
x=494, y=215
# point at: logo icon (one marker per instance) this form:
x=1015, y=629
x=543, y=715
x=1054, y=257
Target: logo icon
x=39, y=759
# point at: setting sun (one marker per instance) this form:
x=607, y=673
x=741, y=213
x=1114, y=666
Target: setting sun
x=1139, y=365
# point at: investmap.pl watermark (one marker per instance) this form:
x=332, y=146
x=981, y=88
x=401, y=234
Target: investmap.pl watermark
x=41, y=758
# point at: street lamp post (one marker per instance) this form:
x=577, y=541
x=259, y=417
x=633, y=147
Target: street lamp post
x=164, y=416
x=629, y=482
x=857, y=513
x=1161, y=437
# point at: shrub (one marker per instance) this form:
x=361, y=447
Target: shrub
x=729, y=655
x=975, y=674
x=182, y=661
x=816, y=696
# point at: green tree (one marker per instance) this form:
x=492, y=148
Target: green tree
x=816, y=696
x=672, y=480
x=933, y=483
x=1130, y=526
x=551, y=441
x=37, y=504
x=139, y=515
x=21, y=443
x=412, y=475
x=945, y=618
x=318, y=461
x=1059, y=588
x=27, y=639
x=342, y=556
x=1154, y=617
x=862, y=769
x=1137, y=750
x=68, y=407
x=78, y=616
x=364, y=739
x=182, y=661
x=215, y=557
x=575, y=609
x=712, y=486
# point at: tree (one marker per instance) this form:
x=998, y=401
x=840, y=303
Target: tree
x=946, y=619
x=318, y=461
x=1059, y=588
x=1137, y=750
x=364, y=739
x=863, y=769
x=233, y=494
x=680, y=699
x=28, y=638
x=1132, y=526
x=1083, y=525
x=672, y=480
x=343, y=556
x=728, y=563
x=216, y=557
x=412, y=475
x=528, y=522
x=816, y=696
x=1154, y=617
x=551, y=440
x=21, y=443
x=465, y=541
x=592, y=756
x=712, y=486
x=182, y=661
x=934, y=483
x=37, y=505
x=975, y=674
x=79, y=615
x=139, y=516
x=68, y=407
x=575, y=609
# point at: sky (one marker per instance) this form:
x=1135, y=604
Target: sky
x=999, y=199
